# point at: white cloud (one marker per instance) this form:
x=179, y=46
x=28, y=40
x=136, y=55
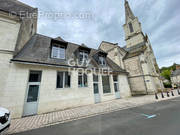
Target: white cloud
x=159, y=20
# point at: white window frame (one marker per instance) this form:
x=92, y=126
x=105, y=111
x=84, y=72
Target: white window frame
x=84, y=53
x=83, y=80
x=116, y=82
x=109, y=84
x=63, y=79
x=102, y=61
x=58, y=50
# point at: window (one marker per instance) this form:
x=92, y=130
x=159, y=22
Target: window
x=32, y=26
x=116, y=85
x=83, y=56
x=63, y=80
x=33, y=93
x=131, y=27
x=102, y=61
x=106, y=84
x=82, y=80
x=58, y=52
x=95, y=84
x=35, y=76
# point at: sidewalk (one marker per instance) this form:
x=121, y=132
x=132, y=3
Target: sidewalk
x=33, y=122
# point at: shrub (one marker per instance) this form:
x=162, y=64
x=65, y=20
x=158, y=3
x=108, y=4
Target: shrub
x=167, y=85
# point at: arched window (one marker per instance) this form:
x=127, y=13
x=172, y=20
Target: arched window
x=131, y=27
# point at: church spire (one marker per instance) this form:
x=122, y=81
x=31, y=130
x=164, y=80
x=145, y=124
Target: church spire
x=128, y=12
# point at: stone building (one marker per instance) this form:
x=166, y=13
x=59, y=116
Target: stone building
x=175, y=77
x=40, y=74
x=136, y=57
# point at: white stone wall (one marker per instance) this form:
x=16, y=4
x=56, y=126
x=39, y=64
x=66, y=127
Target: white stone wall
x=15, y=80
x=124, y=88
x=52, y=99
x=137, y=85
x=13, y=85
x=8, y=33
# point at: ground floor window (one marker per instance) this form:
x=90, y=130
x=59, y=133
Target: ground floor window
x=95, y=84
x=63, y=80
x=116, y=85
x=106, y=84
x=82, y=80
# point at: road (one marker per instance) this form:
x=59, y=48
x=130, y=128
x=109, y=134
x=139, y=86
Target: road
x=162, y=118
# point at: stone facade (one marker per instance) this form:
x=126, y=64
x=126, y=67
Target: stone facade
x=136, y=68
x=15, y=33
x=175, y=80
x=15, y=80
x=175, y=77
x=138, y=58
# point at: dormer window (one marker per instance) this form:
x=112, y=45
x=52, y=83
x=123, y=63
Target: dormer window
x=83, y=56
x=58, y=52
x=131, y=27
x=102, y=60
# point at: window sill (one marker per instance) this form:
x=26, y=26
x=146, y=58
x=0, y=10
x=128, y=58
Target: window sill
x=108, y=94
x=58, y=58
x=63, y=88
x=83, y=87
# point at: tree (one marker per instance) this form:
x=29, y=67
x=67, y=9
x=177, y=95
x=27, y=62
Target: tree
x=166, y=74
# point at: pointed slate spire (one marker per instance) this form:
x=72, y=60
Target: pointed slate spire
x=128, y=12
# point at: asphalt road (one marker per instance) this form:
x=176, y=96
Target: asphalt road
x=162, y=118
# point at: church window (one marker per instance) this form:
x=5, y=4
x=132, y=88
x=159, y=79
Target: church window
x=131, y=27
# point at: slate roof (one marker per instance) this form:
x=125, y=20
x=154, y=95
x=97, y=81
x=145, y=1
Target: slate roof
x=175, y=73
x=38, y=51
x=16, y=7
x=135, y=50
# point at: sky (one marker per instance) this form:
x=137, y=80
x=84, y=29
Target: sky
x=93, y=21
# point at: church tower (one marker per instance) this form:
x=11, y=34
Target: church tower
x=132, y=28
x=140, y=60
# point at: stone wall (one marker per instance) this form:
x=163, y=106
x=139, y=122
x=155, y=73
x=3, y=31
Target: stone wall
x=15, y=80
x=9, y=29
x=175, y=80
x=132, y=65
x=136, y=37
x=105, y=46
x=137, y=85
x=27, y=30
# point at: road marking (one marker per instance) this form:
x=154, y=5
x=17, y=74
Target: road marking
x=149, y=116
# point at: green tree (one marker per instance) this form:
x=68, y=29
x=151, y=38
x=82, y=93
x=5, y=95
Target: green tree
x=166, y=74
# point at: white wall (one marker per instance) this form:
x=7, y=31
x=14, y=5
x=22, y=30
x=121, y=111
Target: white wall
x=15, y=80
x=9, y=30
x=124, y=86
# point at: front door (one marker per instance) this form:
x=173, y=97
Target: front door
x=96, y=89
x=31, y=101
x=116, y=86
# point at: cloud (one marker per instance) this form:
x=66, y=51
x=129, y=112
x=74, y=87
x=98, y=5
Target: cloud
x=160, y=20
